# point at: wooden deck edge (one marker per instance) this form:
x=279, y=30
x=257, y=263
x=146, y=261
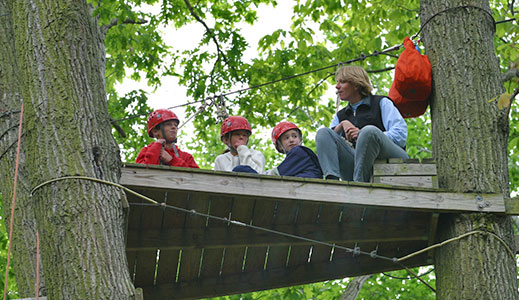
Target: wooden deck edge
x=270, y=279
x=239, y=237
x=290, y=188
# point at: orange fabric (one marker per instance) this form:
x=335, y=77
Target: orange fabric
x=412, y=83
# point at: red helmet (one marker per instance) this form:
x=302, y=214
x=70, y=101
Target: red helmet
x=233, y=123
x=159, y=116
x=281, y=128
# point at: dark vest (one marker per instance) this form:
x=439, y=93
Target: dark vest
x=367, y=113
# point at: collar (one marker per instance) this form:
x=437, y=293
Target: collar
x=363, y=101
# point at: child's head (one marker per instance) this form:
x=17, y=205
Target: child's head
x=163, y=124
x=235, y=131
x=286, y=136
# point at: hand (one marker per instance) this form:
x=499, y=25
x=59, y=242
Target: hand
x=352, y=133
x=239, y=143
x=165, y=156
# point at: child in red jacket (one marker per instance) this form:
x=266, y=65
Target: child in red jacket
x=163, y=126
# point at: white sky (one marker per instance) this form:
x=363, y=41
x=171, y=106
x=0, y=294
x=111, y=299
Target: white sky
x=171, y=93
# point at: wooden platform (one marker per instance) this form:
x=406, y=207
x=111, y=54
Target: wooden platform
x=177, y=255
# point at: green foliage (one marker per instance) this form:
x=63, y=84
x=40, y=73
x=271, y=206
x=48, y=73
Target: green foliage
x=12, y=290
x=382, y=287
x=323, y=34
x=327, y=290
x=391, y=285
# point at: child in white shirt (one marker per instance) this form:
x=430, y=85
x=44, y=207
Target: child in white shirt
x=234, y=133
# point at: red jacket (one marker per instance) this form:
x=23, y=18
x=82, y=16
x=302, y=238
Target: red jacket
x=151, y=155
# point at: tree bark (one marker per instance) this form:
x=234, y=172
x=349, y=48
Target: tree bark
x=23, y=239
x=470, y=139
x=60, y=63
x=354, y=286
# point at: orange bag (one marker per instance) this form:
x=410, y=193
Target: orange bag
x=412, y=84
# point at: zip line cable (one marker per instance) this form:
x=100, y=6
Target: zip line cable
x=361, y=57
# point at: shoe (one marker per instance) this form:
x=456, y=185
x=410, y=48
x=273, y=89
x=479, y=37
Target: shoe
x=332, y=177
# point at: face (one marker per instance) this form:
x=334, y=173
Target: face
x=170, y=130
x=290, y=139
x=238, y=137
x=348, y=91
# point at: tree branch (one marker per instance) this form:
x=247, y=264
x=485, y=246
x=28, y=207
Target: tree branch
x=353, y=288
x=510, y=74
x=211, y=34
x=115, y=21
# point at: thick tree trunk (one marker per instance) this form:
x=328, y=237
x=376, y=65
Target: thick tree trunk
x=60, y=61
x=470, y=141
x=23, y=239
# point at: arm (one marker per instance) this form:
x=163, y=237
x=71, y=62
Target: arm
x=396, y=128
x=185, y=160
x=342, y=128
x=150, y=154
x=252, y=158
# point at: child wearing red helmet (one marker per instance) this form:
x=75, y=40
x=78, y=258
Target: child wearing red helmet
x=300, y=161
x=163, y=126
x=234, y=133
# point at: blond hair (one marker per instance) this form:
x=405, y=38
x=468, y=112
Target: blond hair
x=356, y=76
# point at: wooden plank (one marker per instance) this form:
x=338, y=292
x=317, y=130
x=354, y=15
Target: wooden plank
x=238, y=236
x=220, y=207
x=150, y=219
x=353, y=216
x=256, y=255
x=433, y=227
x=285, y=215
x=242, y=210
x=307, y=216
x=134, y=222
x=190, y=258
x=404, y=169
x=168, y=259
x=415, y=181
x=263, y=186
x=329, y=216
x=302, y=274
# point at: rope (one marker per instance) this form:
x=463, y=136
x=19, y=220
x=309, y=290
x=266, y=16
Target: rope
x=13, y=202
x=450, y=9
x=459, y=238
x=406, y=278
x=145, y=114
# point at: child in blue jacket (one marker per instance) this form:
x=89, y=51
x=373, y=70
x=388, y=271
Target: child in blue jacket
x=300, y=161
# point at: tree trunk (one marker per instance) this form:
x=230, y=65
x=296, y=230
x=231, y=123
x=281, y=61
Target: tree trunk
x=470, y=146
x=23, y=239
x=60, y=63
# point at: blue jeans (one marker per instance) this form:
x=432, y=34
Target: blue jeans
x=338, y=158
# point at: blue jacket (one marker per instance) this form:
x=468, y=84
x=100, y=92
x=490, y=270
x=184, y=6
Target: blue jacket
x=301, y=162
